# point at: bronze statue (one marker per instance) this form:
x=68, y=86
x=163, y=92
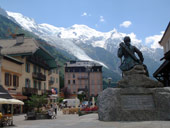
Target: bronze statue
x=128, y=51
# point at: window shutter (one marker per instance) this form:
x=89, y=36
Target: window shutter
x=10, y=80
x=29, y=68
x=25, y=82
x=26, y=67
x=29, y=83
x=17, y=80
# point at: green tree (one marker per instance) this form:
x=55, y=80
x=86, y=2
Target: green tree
x=37, y=101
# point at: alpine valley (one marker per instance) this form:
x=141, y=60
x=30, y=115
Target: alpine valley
x=84, y=43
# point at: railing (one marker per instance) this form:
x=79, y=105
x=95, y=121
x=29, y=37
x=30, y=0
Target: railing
x=28, y=91
x=51, y=82
x=83, y=77
x=48, y=92
x=39, y=76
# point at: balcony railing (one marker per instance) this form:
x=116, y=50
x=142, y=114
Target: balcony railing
x=39, y=76
x=83, y=77
x=51, y=82
x=48, y=92
x=29, y=91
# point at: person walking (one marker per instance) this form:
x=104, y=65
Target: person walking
x=55, y=109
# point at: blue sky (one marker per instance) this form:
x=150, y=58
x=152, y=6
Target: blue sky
x=145, y=18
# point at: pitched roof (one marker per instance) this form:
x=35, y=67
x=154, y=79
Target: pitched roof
x=28, y=47
x=165, y=33
x=10, y=47
x=82, y=64
x=12, y=59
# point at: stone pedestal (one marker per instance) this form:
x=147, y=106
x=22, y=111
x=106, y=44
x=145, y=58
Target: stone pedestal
x=133, y=100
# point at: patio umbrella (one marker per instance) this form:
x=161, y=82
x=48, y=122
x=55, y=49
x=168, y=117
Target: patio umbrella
x=3, y=101
x=15, y=101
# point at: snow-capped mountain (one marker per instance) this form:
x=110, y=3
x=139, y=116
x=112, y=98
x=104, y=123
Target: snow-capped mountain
x=86, y=43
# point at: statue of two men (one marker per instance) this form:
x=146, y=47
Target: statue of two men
x=128, y=51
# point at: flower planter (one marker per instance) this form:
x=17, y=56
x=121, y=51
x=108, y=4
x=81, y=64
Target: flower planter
x=81, y=113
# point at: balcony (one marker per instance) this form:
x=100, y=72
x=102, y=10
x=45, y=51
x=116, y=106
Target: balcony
x=39, y=76
x=83, y=77
x=48, y=92
x=51, y=82
x=29, y=91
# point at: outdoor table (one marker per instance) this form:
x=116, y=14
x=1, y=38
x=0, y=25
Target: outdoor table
x=7, y=120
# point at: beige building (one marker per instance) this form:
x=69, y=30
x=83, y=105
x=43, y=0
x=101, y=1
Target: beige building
x=83, y=76
x=29, y=73
x=53, y=79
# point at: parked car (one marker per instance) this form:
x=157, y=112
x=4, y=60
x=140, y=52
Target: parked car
x=70, y=102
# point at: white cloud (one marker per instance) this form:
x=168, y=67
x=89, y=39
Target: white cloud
x=102, y=19
x=126, y=24
x=84, y=14
x=154, y=40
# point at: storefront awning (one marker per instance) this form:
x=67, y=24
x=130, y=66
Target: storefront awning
x=19, y=96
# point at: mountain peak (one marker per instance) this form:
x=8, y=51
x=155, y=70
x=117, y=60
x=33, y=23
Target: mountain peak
x=81, y=26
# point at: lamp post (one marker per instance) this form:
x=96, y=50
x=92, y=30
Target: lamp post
x=88, y=73
x=109, y=80
x=0, y=64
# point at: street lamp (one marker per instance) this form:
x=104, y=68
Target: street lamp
x=0, y=64
x=88, y=69
x=109, y=80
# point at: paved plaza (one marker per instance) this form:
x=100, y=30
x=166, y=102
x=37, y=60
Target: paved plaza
x=86, y=121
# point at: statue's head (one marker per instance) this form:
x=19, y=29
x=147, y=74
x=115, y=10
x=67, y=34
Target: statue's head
x=127, y=40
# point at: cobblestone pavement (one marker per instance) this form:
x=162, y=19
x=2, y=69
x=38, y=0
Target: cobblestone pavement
x=86, y=121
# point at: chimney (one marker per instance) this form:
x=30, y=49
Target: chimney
x=20, y=38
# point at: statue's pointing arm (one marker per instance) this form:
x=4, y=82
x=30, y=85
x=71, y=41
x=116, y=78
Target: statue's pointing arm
x=139, y=54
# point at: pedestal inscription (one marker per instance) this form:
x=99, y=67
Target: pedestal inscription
x=137, y=102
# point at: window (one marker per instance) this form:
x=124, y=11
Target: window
x=27, y=67
x=56, y=71
x=74, y=81
x=15, y=81
x=35, y=84
x=35, y=68
x=8, y=79
x=74, y=88
x=80, y=82
x=56, y=80
x=68, y=75
x=53, y=71
x=27, y=83
x=86, y=82
x=73, y=75
x=39, y=69
x=68, y=81
x=39, y=85
x=98, y=87
x=52, y=79
x=45, y=86
x=49, y=72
